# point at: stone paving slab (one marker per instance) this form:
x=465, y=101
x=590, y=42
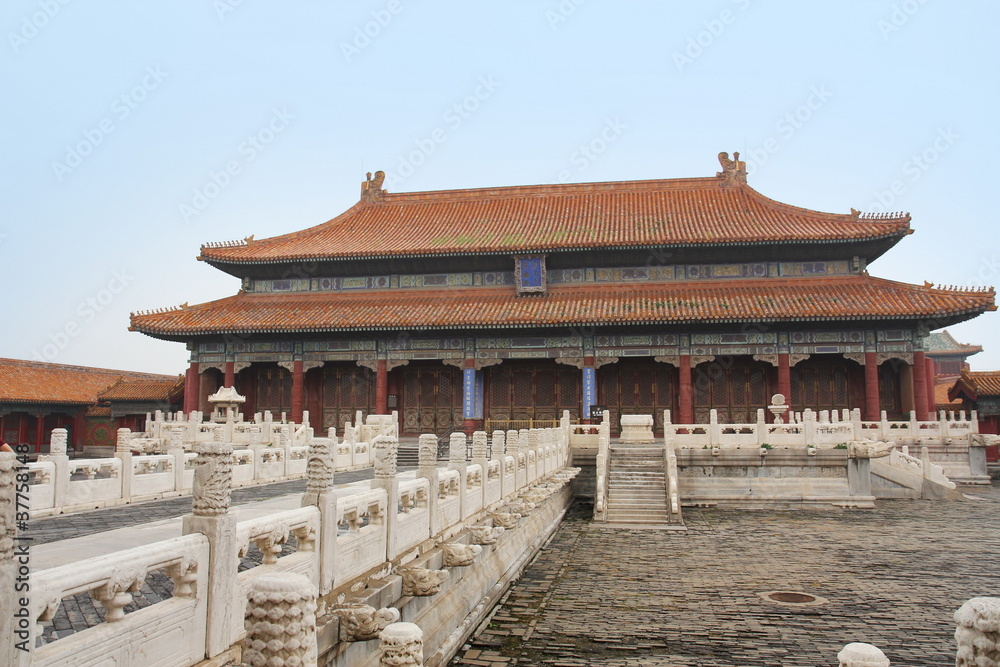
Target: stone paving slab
x=892, y=576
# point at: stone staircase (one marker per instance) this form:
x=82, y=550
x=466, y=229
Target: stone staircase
x=637, y=486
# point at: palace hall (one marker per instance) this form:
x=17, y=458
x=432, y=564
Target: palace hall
x=492, y=307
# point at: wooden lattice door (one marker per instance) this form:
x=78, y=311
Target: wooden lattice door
x=346, y=389
x=432, y=399
x=736, y=387
x=274, y=390
x=523, y=392
x=636, y=388
x=827, y=384
x=890, y=389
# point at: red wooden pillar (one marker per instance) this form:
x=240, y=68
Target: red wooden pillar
x=39, y=432
x=872, y=399
x=920, y=384
x=685, y=405
x=931, y=402
x=230, y=380
x=192, y=388
x=297, y=382
x=79, y=430
x=381, y=388
x=785, y=378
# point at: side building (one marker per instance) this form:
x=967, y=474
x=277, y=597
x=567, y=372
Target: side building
x=490, y=308
x=90, y=403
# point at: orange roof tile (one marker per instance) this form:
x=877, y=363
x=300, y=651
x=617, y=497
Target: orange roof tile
x=973, y=384
x=133, y=389
x=39, y=382
x=674, y=212
x=855, y=297
x=941, y=397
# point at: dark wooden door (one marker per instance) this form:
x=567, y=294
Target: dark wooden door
x=637, y=387
x=346, y=389
x=432, y=398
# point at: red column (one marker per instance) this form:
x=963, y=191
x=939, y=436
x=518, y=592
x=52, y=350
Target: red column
x=297, y=381
x=686, y=408
x=381, y=388
x=931, y=402
x=230, y=380
x=79, y=431
x=872, y=400
x=785, y=378
x=191, y=388
x=39, y=432
x=920, y=385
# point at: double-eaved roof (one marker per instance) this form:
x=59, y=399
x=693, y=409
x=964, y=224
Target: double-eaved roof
x=546, y=219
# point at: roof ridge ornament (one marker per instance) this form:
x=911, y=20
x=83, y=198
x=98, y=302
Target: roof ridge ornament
x=733, y=171
x=887, y=215
x=371, y=189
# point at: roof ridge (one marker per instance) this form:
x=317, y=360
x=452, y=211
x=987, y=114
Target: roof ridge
x=554, y=189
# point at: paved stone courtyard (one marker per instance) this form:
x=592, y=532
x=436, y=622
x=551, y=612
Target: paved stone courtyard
x=892, y=577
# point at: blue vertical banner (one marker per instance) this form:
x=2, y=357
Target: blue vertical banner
x=477, y=409
x=589, y=391
x=468, y=393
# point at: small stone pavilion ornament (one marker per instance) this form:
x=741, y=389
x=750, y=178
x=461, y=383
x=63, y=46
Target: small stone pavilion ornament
x=226, y=404
x=778, y=408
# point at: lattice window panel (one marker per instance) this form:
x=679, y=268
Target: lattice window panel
x=545, y=389
x=499, y=387
x=523, y=380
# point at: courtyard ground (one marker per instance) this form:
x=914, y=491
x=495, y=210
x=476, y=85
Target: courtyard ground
x=892, y=577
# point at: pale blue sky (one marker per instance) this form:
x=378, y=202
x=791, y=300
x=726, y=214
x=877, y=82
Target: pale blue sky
x=829, y=102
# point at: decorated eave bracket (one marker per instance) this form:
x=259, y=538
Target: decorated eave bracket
x=530, y=274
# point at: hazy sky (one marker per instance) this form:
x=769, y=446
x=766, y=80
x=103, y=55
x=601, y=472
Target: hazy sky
x=135, y=131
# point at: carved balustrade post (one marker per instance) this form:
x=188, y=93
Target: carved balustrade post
x=281, y=622
x=978, y=633
x=480, y=457
x=175, y=449
x=319, y=493
x=456, y=461
x=386, y=449
x=521, y=458
x=213, y=479
x=427, y=448
x=123, y=452
x=498, y=451
x=57, y=456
